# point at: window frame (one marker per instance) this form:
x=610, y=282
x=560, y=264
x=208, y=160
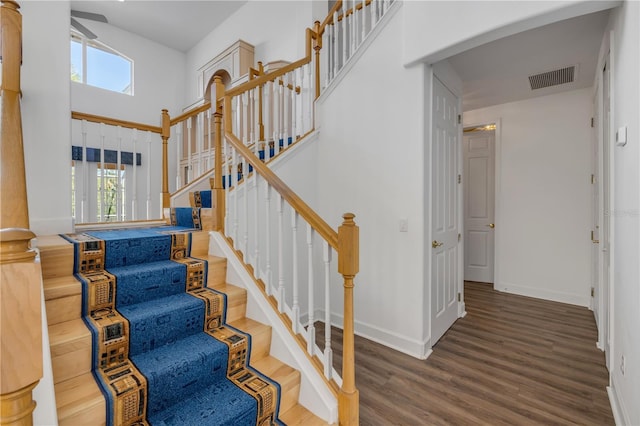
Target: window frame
x=78, y=37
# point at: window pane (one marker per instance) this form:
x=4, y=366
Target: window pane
x=108, y=71
x=76, y=60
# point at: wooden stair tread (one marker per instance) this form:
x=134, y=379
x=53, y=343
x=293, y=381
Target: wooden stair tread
x=300, y=416
x=67, y=333
x=260, y=336
x=55, y=288
x=199, y=243
x=286, y=376
x=56, y=256
x=79, y=400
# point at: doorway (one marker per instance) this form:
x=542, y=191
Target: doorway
x=478, y=147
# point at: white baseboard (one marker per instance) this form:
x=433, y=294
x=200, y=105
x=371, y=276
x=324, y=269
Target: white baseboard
x=554, y=296
x=415, y=348
x=620, y=415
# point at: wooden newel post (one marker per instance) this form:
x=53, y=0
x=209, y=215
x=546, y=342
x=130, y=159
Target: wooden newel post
x=218, y=187
x=348, y=266
x=20, y=274
x=166, y=133
x=317, y=46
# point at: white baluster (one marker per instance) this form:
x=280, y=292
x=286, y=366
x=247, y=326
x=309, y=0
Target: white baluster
x=256, y=225
x=226, y=184
x=209, y=149
x=363, y=15
x=328, y=353
x=103, y=200
x=245, y=121
x=178, y=155
x=294, y=260
x=189, y=153
x=345, y=33
x=245, y=205
x=294, y=103
x=374, y=13
x=234, y=178
x=119, y=200
x=134, y=192
x=200, y=142
x=266, y=115
x=311, y=95
x=336, y=32
x=267, y=254
x=280, y=294
x=148, y=176
x=311, y=328
x=326, y=37
x=354, y=29
x=286, y=118
x=85, y=173
x=282, y=111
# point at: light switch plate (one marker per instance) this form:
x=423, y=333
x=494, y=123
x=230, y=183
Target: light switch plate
x=621, y=136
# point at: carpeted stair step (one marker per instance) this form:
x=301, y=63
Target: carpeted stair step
x=63, y=296
x=70, y=344
x=79, y=401
x=162, y=321
x=286, y=376
x=300, y=416
x=221, y=404
x=148, y=281
x=178, y=370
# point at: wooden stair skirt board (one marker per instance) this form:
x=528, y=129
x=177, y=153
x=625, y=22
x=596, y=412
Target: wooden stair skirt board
x=79, y=400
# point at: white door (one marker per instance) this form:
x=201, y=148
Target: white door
x=595, y=213
x=479, y=205
x=444, y=201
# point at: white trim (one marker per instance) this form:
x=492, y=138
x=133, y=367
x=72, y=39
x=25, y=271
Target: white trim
x=620, y=414
x=555, y=296
x=345, y=70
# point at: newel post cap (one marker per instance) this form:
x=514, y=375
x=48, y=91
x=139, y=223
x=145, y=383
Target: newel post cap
x=348, y=246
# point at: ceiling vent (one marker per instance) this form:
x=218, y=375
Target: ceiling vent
x=552, y=78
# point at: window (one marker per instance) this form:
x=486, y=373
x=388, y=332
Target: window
x=111, y=194
x=96, y=64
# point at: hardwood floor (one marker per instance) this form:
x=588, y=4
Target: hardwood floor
x=512, y=360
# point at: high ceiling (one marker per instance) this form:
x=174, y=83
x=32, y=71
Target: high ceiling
x=497, y=72
x=177, y=24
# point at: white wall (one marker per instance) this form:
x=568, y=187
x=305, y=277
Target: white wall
x=159, y=80
x=275, y=28
x=543, y=214
x=370, y=157
x=434, y=30
x=45, y=114
x=625, y=388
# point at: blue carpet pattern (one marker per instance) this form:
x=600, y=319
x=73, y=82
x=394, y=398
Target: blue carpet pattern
x=162, y=351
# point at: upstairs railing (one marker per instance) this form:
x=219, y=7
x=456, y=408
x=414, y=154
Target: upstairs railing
x=20, y=274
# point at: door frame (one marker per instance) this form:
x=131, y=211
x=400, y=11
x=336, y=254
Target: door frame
x=497, y=180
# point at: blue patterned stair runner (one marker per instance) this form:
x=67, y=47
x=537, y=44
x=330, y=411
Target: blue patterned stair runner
x=161, y=345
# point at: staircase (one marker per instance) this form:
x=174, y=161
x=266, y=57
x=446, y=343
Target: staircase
x=78, y=398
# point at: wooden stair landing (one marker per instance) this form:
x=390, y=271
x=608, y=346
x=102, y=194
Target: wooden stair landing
x=79, y=400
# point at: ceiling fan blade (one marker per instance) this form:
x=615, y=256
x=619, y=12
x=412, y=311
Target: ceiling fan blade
x=88, y=15
x=84, y=30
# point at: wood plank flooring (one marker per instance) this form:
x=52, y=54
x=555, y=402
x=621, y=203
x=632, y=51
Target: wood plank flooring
x=512, y=360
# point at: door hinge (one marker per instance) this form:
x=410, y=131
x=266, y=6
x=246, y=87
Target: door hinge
x=459, y=237
x=459, y=178
x=592, y=124
x=459, y=297
x=593, y=292
x=459, y=119
x=593, y=179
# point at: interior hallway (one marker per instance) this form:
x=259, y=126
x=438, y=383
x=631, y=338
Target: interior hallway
x=512, y=360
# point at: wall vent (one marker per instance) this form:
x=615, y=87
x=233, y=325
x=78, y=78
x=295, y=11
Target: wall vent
x=552, y=78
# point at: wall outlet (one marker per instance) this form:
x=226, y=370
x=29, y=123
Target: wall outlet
x=622, y=365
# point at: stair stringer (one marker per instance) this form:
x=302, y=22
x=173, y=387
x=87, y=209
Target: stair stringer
x=315, y=395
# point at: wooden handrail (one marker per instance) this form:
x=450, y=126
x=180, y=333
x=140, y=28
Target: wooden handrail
x=115, y=122
x=329, y=19
x=190, y=113
x=308, y=214
x=20, y=274
x=259, y=81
